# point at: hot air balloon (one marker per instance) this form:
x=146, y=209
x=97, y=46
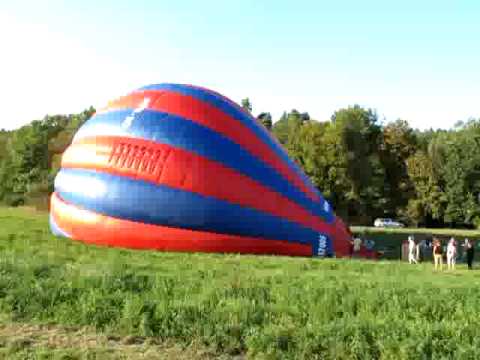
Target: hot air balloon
x=182, y=168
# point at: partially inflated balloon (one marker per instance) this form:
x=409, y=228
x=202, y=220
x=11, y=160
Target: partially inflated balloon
x=182, y=168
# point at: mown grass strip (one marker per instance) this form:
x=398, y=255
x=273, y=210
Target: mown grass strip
x=419, y=231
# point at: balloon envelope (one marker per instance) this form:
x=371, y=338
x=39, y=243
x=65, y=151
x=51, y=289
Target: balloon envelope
x=181, y=168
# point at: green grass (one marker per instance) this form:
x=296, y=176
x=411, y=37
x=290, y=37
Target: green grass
x=229, y=305
x=417, y=231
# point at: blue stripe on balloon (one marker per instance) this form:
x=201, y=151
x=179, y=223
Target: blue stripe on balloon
x=144, y=202
x=180, y=132
x=56, y=230
x=230, y=109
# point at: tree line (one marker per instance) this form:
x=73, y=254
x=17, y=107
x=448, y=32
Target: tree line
x=30, y=157
x=368, y=169
x=364, y=167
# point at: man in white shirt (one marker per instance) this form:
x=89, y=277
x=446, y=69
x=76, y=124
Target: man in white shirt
x=357, y=244
x=411, y=250
x=451, y=254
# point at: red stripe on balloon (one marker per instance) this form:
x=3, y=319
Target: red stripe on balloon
x=93, y=228
x=341, y=238
x=177, y=168
x=209, y=116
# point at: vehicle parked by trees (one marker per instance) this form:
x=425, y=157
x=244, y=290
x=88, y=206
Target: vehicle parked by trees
x=386, y=222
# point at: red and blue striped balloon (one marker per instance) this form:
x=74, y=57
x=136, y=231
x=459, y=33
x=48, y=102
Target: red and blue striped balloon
x=181, y=168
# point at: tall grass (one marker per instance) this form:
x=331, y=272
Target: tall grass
x=265, y=307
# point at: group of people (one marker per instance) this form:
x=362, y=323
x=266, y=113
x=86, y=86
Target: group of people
x=362, y=248
x=417, y=252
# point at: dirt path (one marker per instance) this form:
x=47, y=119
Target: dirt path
x=79, y=343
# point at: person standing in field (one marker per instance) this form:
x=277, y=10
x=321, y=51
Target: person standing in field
x=451, y=254
x=423, y=249
x=417, y=251
x=470, y=250
x=357, y=244
x=464, y=252
x=437, y=253
x=369, y=244
x=412, y=250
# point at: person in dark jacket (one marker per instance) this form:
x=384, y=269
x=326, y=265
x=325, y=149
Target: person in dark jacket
x=470, y=250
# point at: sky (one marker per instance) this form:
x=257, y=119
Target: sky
x=414, y=60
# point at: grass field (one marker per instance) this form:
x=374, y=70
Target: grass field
x=62, y=299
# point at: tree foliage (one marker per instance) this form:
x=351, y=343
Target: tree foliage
x=266, y=120
x=368, y=170
x=30, y=156
x=247, y=105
